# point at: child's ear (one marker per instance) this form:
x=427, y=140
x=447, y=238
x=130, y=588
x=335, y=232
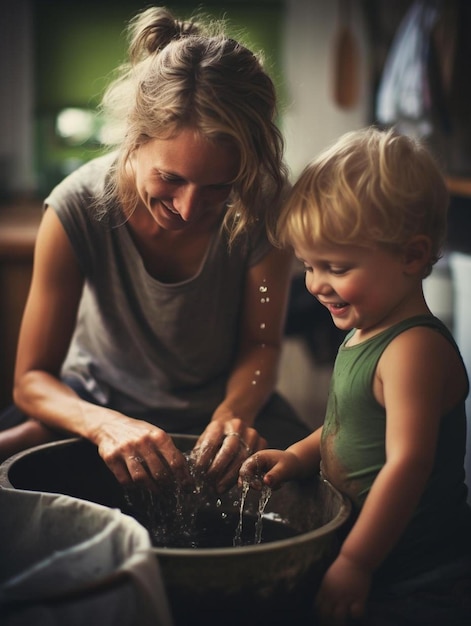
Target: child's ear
x=417, y=254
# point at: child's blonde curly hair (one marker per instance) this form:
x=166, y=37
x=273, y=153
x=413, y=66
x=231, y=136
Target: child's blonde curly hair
x=371, y=187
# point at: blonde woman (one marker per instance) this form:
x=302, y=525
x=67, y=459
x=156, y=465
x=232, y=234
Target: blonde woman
x=157, y=303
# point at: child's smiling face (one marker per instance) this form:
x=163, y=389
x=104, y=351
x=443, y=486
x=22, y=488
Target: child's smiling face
x=363, y=288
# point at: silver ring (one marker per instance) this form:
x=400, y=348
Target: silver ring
x=243, y=443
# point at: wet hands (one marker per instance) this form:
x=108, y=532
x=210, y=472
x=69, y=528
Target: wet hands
x=270, y=468
x=221, y=450
x=142, y=455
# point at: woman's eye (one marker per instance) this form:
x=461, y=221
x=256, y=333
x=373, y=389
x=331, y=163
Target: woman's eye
x=224, y=187
x=168, y=178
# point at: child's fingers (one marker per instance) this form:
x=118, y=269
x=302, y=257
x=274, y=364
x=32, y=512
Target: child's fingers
x=275, y=476
x=255, y=468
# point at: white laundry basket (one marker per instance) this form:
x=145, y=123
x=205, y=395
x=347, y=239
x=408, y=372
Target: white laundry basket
x=65, y=561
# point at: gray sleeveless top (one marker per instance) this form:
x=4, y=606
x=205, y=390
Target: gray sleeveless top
x=154, y=350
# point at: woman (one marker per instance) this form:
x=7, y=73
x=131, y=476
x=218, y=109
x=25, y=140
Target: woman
x=157, y=303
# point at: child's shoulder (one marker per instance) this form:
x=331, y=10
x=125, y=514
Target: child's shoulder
x=425, y=345
x=423, y=330
x=424, y=334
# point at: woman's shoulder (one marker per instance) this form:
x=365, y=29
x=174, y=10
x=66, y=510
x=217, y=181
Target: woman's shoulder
x=86, y=182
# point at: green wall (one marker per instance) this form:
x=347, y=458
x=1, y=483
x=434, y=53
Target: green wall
x=79, y=43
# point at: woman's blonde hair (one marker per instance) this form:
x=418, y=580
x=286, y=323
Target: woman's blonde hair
x=371, y=187
x=182, y=74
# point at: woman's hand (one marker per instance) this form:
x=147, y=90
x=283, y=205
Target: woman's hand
x=141, y=454
x=221, y=450
x=343, y=593
x=271, y=468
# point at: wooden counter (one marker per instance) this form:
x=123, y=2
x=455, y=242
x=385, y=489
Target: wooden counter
x=459, y=186
x=18, y=227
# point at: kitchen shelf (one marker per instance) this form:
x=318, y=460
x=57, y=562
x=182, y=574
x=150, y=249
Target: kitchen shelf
x=19, y=224
x=459, y=186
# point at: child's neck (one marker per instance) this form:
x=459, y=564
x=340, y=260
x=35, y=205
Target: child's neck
x=411, y=309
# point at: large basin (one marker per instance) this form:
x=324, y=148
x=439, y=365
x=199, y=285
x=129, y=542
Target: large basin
x=254, y=585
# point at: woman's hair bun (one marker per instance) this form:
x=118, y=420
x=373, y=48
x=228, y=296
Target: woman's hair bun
x=153, y=29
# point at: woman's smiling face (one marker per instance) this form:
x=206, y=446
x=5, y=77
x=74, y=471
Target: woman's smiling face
x=186, y=180
x=361, y=287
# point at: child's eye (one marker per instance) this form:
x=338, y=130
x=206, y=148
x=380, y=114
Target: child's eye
x=338, y=271
x=307, y=268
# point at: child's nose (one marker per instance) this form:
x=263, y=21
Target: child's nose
x=317, y=283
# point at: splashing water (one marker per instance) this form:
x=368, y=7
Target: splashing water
x=265, y=494
x=263, y=289
x=174, y=515
x=262, y=503
x=257, y=374
x=237, y=541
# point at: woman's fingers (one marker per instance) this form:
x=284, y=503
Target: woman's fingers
x=148, y=459
x=222, y=449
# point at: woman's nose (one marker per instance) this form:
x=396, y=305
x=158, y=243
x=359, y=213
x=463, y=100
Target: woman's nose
x=188, y=202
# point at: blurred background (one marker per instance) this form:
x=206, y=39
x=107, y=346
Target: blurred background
x=338, y=65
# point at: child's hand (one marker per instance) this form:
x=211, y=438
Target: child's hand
x=269, y=467
x=343, y=593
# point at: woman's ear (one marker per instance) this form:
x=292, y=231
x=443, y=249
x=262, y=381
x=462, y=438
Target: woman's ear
x=417, y=254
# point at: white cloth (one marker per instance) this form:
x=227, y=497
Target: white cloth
x=404, y=91
x=95, y=560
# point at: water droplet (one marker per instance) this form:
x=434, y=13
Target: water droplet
x=262, y=300
x=237, y=540
x=265, y=495
x=262, y=325
x=257, y=372
x=263, y=289
x=254, y=382
x=267, y=299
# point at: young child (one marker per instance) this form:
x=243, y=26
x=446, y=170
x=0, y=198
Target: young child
x=368, y=218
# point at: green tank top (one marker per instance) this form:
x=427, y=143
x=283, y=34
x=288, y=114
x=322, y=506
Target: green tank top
x=353, y=448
